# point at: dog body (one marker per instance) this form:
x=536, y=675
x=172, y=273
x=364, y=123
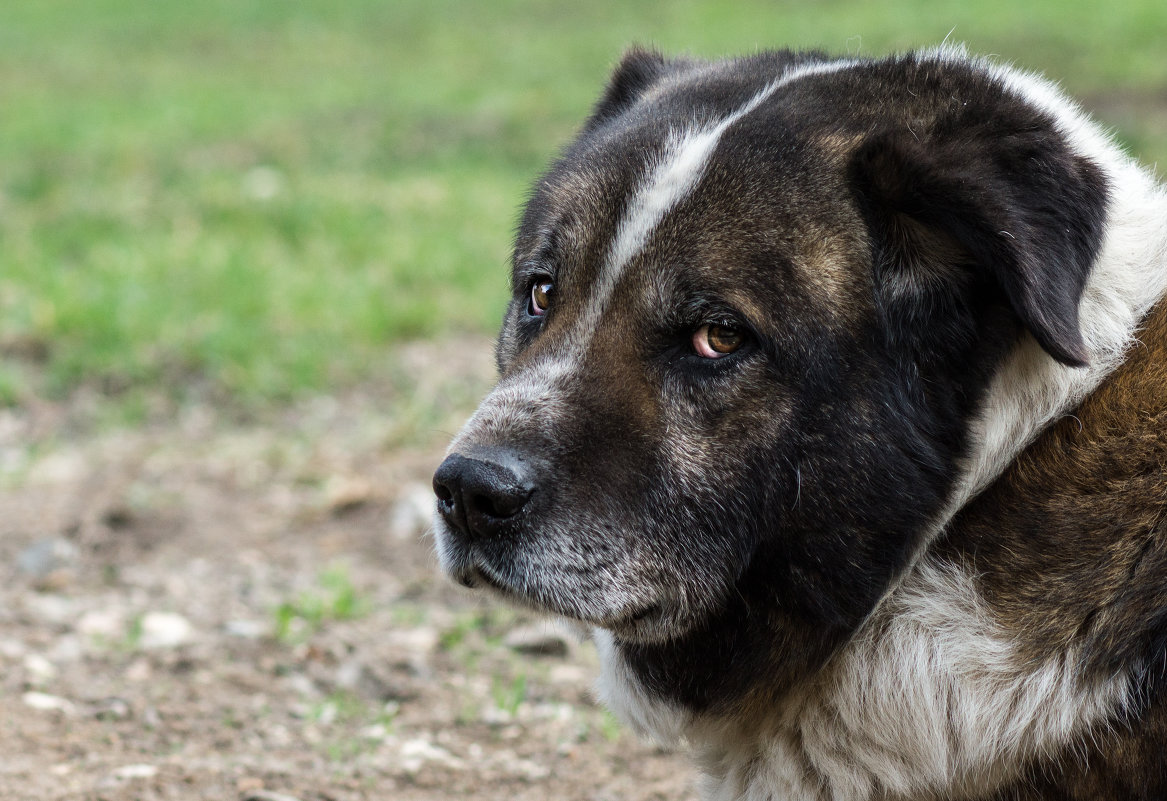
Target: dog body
x=782, y=330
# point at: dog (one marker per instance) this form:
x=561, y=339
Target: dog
x=833, y=403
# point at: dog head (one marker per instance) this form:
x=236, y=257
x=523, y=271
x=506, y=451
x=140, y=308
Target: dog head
x=756, y=305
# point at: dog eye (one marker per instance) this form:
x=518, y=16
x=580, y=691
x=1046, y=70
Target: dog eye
x=716, y=341
x=540, y=299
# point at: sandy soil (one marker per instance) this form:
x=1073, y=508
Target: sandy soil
x=199, y=608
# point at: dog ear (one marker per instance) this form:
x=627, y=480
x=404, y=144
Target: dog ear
x=1017, y=205
x=638, y=70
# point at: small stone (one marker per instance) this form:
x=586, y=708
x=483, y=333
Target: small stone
x=45, y=557
x=537, y=641
x=67, y=648
x=417, y=752
x=268, y=795
x=327, y=713
x=39, y=669
x=277, y=735
x=64, y=467
x=150, y=718
x=246, y=629
x=344, y=494
x=53, y=609
x=139, y=671
x=495, y=716
x=570, y=674
x=415, y=641
x=524, y=768
x=164, y=630
x=359, y=678
x=112, y=709
x=142, y=771
x=12, y=649
x=108, y=625
x=377, y=731
x=47, y=703
x=301, y=685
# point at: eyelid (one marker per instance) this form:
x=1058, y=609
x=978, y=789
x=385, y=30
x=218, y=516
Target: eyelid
x=697, y=315
x=536, y=279
x=530, y=273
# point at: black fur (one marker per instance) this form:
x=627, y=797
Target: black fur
x=1010, y=194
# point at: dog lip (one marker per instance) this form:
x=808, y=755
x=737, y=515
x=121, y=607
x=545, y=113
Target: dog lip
x=648, y=611
x=630, y=623
x=475, y=573
x=476, y=576
x=492, y=582
x=467, y=578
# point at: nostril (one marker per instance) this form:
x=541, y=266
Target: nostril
x=483, y=505
x=502, y=503
x=447, y=487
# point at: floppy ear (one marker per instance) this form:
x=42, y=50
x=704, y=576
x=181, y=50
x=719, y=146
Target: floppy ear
x=1018, y=205
x=638, y=70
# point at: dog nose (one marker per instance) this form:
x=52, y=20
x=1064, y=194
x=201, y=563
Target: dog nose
x=479, y=495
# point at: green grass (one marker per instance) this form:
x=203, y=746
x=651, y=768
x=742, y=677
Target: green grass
x=508, y=695
x=264, y=198
x=335, y=598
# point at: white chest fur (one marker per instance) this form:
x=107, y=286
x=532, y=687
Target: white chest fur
x=931, y=700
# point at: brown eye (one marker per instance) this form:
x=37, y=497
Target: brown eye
x=716, y=341
x=540, y=298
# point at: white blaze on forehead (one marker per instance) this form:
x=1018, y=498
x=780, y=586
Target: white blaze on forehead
x=673, y=176
x=672, y=179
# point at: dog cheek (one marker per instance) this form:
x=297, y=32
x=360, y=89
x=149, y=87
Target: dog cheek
x=727, y=443
x=698, y=537
x=599, y=567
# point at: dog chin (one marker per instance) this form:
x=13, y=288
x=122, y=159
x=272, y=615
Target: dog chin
x=630, y=621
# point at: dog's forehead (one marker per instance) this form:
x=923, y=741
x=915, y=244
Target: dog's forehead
x=684, y=200
x=604, y=169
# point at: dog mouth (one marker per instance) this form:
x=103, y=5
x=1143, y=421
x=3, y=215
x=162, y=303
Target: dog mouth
x=628, y=624
x=639, y=624
x=475, y=578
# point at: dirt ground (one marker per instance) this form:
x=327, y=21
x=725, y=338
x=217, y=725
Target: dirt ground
x=203, y=608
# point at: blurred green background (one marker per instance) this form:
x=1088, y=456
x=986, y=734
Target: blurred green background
x=262, y=199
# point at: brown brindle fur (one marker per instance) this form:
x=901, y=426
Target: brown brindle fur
x=1070, y=545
